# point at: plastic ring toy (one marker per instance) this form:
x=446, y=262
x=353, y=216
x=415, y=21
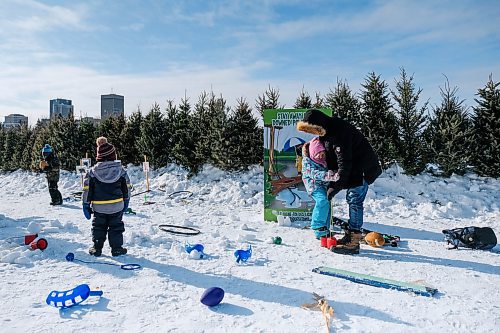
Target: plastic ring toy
x=181, y=230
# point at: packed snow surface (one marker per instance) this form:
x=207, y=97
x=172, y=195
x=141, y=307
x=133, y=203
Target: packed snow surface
x=265, y=293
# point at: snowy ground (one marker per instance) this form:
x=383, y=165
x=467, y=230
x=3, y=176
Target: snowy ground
x=265, y=294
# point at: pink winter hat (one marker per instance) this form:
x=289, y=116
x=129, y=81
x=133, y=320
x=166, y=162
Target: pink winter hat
x=316, y=147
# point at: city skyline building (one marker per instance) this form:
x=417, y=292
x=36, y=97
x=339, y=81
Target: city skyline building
x=14, y=120
x=61, y=107
x=112, y=105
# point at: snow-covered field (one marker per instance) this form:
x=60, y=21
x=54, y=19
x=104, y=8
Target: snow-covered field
x=264, y=294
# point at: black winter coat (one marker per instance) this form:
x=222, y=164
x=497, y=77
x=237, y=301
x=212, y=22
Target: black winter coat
x=347, y=150
x=106, y=186
x=52, y=171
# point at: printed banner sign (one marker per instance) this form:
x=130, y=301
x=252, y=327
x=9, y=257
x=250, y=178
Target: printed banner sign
x=284, y=191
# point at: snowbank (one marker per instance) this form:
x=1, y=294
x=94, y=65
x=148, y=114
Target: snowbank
x=264, y=294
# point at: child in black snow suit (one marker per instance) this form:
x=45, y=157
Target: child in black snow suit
x=50, y=165
x=106, y=195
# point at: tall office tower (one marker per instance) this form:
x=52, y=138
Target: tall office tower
x=13, y=120
x=61, y=107
x=111, y=105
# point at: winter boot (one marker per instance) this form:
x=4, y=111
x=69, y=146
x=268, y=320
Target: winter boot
x=350, y=247
x=346, y=239
x=118, y=251
x=95, y=251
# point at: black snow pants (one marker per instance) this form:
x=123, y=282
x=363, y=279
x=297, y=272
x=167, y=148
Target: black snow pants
x=55, y=195
x=110, y=224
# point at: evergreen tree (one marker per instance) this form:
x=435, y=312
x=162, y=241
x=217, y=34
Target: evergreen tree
x=241, y=144
x=86, y=137
x=487, y=130
x=223, y=153
x=130, y=136
x=28, y=150
x=450, y=133
x=154, y=138
x=3, y=155
x=105, y=128
x=10, y=147
x=64, y=138
x=319, y=102
x=249, y=147
x=378, y=122
x=22, y=156
x=112, y=128
x=219, y=134
x=184, y=140
x=411, y=122
x=344, y=103
x=268, y=100
x=15, y=142
x=218, y=127
x=171, y=114
x=41, y=134
x=304, y=100
x=204, y=110
x=117, y=135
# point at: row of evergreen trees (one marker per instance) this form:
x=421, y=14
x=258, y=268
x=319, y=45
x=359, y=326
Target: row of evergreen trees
x=399, y=126
x=403, y=129
x=208, y=132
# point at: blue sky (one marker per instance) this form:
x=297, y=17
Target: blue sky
x=151, y=51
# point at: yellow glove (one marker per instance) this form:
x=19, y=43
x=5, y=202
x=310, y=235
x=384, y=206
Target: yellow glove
x=43, y=164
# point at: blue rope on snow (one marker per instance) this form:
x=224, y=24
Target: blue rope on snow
x=128, y=267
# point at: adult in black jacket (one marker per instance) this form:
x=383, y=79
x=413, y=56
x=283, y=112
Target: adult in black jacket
x=357, y=165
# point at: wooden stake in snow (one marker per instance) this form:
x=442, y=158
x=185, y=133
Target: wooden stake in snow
x=326, y=309
x=145, y=168
x=81, y=173
x=87, y=165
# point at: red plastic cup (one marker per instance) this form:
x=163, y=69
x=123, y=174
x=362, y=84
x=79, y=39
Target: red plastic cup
x=29, y=238
x=331, y=242
x=323, y=241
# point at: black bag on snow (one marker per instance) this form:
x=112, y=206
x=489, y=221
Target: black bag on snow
x=480, y=238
